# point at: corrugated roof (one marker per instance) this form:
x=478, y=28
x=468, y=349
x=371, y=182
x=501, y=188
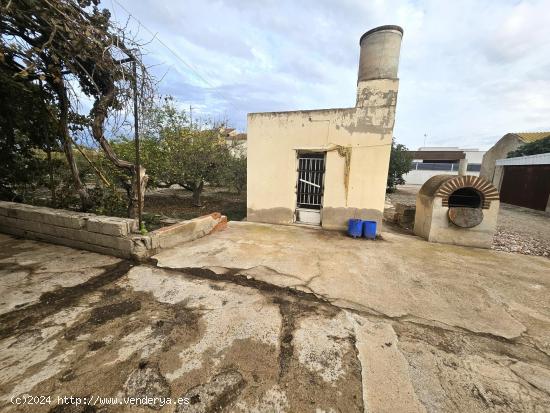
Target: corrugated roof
x=532, y=136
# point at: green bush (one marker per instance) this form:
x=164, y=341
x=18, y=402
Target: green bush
x=532, y=148
x=400, y=164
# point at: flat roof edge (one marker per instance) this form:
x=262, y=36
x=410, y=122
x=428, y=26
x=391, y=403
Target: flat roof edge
x=302, y=111
x=539, y=159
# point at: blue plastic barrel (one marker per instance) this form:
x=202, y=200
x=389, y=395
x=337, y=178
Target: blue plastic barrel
x=355, y=228
x=369, y=229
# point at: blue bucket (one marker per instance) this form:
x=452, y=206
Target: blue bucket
x=355, y=228
x=369, y=229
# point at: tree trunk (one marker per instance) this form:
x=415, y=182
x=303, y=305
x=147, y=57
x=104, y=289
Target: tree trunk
x=61, y=91
x=133, y=207
x=99, y=114
x=197, y=191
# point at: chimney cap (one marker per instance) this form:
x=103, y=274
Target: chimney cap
x=380, y=28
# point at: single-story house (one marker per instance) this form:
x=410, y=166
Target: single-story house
x=323, y=167
x=506, y=144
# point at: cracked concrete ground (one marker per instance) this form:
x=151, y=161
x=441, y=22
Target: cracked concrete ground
x=262, y=318
x=120, y=330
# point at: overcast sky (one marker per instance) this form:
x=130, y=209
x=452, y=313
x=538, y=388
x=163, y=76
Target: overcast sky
x=470, y=70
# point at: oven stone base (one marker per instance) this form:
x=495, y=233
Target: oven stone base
x=432, y=223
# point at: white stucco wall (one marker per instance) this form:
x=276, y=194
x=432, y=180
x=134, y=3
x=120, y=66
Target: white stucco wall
x=444, y=231
x=275, y=138
x=474, y=156
x=418, y=177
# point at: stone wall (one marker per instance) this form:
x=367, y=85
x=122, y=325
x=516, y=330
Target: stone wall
x=106, y=235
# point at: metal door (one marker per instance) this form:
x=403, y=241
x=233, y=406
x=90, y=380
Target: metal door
x=526, y=185
x=309, y=187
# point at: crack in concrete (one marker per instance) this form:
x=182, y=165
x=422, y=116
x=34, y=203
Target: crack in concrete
x=286, y=336
x=529, y=382
x=233, y=275
x=356, y=350
x=450, y=338
x=407, y=317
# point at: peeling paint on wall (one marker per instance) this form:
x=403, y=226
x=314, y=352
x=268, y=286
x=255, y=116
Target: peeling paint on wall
x=366, y=130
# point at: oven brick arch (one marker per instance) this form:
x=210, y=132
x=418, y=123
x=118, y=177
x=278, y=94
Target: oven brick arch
x=486, y=188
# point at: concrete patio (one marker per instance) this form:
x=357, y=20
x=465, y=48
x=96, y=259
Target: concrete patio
x=399, y=277
x=261, y=318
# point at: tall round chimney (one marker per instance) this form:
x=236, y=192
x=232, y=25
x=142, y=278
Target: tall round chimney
x=379, y=57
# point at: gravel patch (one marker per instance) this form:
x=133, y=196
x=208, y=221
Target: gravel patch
x=511, y=241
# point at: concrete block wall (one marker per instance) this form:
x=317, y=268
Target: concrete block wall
x=168, y=237
x=103, y=234
x=106, y=235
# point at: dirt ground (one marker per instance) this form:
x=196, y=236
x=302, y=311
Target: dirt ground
x=519, y=230
x=168, y=205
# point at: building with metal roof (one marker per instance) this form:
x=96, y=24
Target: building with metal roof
x=528, y=137
x=524, y=181
x=506, y=144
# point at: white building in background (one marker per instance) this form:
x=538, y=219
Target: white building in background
x=236, y=141
x=431, y=161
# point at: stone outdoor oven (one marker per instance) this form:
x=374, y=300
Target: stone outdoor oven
x=458, y=210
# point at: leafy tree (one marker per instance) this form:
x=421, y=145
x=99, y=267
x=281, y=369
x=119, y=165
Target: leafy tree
x=70, y=49
x=196, y=157
x=235, y=173
x=400, y=164
x=26, y=126
x=176, y=151
x=531, y=148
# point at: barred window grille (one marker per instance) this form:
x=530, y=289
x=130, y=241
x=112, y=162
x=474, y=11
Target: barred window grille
x=311, y=169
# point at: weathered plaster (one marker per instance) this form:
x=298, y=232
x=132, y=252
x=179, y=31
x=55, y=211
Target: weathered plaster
x=367, y=129
x=271, y=215
x=337, y=218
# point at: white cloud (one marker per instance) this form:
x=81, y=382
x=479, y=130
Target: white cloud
x=470, y=71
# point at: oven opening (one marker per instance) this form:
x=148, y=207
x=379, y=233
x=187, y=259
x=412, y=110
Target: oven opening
x=465, y=198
